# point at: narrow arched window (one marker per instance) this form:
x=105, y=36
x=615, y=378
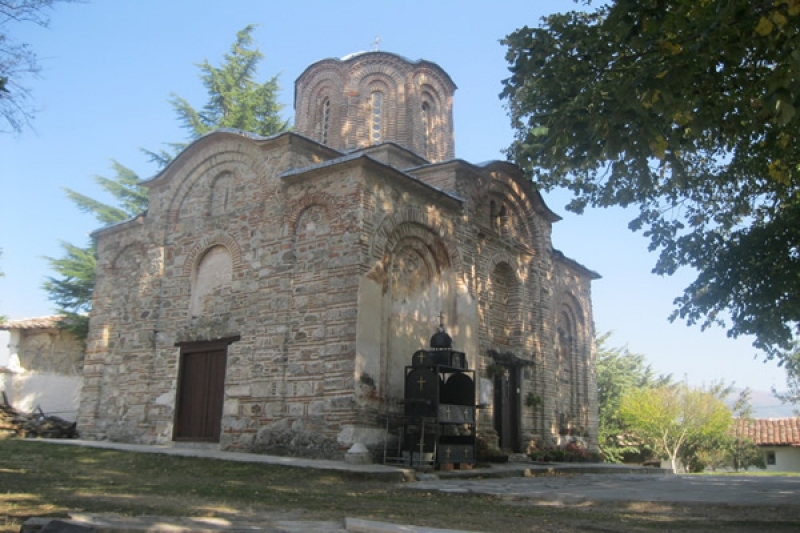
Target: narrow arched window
x=376, y=127
x=326, y=118
x=221, y=190
x=426, y=128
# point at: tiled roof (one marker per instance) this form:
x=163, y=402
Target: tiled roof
x=770, y=431
x=40, y=322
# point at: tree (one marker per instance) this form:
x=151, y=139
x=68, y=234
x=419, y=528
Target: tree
x=687, y=110
x=235, y=101
x=724, y=450
x=792, y=366
x=72, y=289
x=18, y=61
x=618, y=372
x=670, y=418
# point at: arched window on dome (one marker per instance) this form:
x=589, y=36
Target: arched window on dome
x=376, y=123
x=325, y=119
x=426, y=128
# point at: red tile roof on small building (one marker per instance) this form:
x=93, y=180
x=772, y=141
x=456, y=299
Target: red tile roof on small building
x=41, y=322
x=770, y=431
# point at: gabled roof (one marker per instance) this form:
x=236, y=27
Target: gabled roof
x=222, y=132
x=363, y=158
x=40, y=322
x=591, y=274
x=770, y=431
x=504, y=166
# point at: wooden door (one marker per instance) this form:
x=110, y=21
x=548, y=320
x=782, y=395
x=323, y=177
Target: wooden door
x=506, y=409
x=201, y=391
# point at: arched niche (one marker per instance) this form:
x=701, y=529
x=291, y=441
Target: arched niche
x=420, y=285
x=211, y=282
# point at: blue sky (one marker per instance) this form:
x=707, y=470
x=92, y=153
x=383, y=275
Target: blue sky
x=110, y=66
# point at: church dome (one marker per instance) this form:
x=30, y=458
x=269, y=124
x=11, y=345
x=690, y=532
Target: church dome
x=371, y=98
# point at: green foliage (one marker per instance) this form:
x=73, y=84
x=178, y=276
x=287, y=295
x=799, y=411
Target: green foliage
x=791, y=364
x=72, y=290
x=727, y=450
x=686, y=110
x=533, y=400
x=18, y=61
x=671, y=417
x=124, y=188
x=235, y=101
x=618, y=372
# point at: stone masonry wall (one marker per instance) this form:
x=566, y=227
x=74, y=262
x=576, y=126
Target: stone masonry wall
x=296, y=257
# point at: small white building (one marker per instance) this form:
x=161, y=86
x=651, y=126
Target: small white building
x=45, y=367
x=779, y=438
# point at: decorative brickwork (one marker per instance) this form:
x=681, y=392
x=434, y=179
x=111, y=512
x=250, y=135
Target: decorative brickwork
x=335, y=100
x=314, y=274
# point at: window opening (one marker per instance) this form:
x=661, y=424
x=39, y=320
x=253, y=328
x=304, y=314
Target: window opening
x=377, y=117
x=426, y=132
x=326, y=115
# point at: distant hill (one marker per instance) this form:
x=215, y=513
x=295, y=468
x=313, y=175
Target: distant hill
x=765, y=405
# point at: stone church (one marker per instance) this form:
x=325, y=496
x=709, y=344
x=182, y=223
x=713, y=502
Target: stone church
x=275, y=290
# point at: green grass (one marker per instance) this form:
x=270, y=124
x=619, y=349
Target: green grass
x=44, y=479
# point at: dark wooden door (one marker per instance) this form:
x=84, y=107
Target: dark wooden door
x=201, y=390
x=506, y=409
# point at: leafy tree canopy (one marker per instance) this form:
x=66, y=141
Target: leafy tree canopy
x=619, y=371
x=688, y=110
x=670, y=418
x=792, y=366
x=18, y=61
x=236, y=100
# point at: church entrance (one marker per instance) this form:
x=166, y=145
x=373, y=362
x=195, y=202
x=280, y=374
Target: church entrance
x=201, y=391
x=506, y=407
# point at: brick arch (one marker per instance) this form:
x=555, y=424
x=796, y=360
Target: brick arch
x=323, y=200
x=231, y=160
x=137, y=247
x=426, y=74
x=414, y=232
x=570, y=340
x=430, y=134
x=390, y=85
x=514, y=311
x=570, y=307
x=326, y=79
x=412, y=220
x=386, y=66
x=205, y=244
x=505, y=257
x=500, y=185
x=327, y=82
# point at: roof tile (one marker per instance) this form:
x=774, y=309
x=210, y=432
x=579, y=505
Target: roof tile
x=770, y=431
x=41, y=322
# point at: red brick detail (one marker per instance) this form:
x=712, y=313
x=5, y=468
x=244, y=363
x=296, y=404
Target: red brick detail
x=321, y=199
x=225, y=161
x=199, y=249
x=409, y=222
